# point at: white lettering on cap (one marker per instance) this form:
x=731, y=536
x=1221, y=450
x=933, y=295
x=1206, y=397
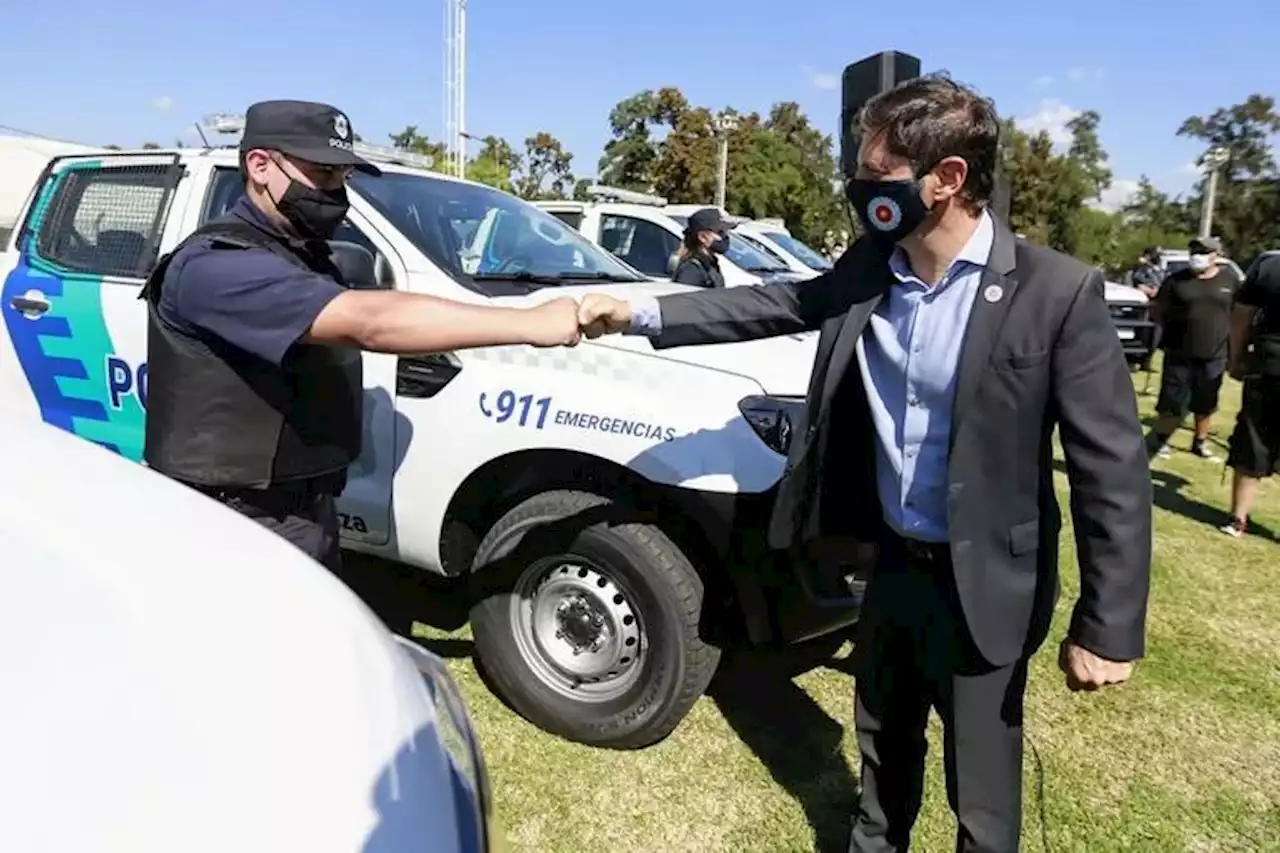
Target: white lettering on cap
x=338, y=143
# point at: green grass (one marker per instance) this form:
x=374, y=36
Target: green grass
x=1185, y=757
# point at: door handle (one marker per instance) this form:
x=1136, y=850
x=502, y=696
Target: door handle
x=31, y=305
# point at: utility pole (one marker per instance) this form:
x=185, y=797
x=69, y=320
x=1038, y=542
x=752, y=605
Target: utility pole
x=455, y=84
x=723, y=125
x=1212, y=162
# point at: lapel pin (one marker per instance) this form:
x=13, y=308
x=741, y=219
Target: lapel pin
x=993, y=293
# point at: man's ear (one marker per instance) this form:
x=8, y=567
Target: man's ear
x=950, y=175
x=256, y=165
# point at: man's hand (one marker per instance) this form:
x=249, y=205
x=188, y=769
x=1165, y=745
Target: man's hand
x=1087, y=671
x=553, y=324
x=1147, y=290
x=603, y=315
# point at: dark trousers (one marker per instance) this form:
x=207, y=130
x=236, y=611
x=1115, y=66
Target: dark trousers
x=914, y=653
x=304, y=515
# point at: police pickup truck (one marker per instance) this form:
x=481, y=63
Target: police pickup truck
x=607, y=502
x=646, y=232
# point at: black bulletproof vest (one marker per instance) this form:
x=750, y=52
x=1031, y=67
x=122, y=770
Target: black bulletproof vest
x=706, y=265
x=219, y=416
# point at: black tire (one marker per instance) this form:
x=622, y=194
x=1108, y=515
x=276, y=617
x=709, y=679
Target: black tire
x=558, y=535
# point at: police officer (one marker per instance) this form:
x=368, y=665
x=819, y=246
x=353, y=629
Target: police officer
x=1193, y=307
x=253, y=340
x=1255, y=358
x=705, y=237
x=1148, y=274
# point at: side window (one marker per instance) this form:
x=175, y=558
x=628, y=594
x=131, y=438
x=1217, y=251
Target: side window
x=643, y=245
x=228, y=187
x=572, y=218
x=105, y=221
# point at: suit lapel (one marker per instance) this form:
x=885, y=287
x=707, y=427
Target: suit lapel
x=985, y=320
x=870, y=292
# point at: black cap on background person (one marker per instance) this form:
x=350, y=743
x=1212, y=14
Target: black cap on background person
x=1205, y=246
x=317, y=133
x=707, y=219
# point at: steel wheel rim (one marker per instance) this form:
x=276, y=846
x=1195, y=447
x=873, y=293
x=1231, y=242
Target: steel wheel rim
x=578, y=629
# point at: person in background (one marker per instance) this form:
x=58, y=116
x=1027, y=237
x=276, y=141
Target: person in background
x=1255, y=358
x=1148, y=274
x=705, y=237
x=1194, y=307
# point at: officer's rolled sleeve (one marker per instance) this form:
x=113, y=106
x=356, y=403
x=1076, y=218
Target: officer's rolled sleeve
x=251, y=299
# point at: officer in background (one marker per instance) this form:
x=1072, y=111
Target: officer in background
x=1148, y=274
x=705, y=237
x=1194, y=309
x=253, y=341
x=1255, y=358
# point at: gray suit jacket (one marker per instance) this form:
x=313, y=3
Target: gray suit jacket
x=1044, y=356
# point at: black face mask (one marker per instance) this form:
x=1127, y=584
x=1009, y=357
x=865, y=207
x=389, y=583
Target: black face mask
x=889, y=210
x=721, y=245
x=314, y=214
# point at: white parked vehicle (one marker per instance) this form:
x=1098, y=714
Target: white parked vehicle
x=772, y=236
x=607, y=501
x=178, y=678
x=1131, y=313
x=646, y=233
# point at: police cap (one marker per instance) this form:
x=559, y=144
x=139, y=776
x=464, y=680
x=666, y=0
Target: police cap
x=707, y=219
x=317, y=133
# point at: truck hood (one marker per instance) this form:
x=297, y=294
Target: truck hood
x=1118, y=294
x=779, y=365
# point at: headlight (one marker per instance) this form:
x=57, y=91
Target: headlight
x=773, y=418
x=457, y=736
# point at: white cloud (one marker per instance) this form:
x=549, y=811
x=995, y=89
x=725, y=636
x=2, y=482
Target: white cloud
x=1043, y=80
x=824, y=80
x=164, y=103
x=1082, y=72
x=1052, y=117
x=1115, y=196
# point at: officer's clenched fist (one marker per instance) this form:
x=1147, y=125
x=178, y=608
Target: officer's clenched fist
x=554, y=323
x=603, y=315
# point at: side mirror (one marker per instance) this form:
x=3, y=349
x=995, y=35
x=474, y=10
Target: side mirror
x=356, y=264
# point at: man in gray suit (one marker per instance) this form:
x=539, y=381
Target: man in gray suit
x=949, y=352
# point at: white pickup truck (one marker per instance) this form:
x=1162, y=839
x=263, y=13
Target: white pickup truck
x=645, y=232
x=607, y=502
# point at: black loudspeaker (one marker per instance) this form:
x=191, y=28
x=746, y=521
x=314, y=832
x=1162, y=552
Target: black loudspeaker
x=862, y=81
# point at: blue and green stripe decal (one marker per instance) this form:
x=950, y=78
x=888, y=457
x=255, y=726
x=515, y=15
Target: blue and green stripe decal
x=66, y=352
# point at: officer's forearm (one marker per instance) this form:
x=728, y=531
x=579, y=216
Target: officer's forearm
x=416, y=323
x=1238, y=340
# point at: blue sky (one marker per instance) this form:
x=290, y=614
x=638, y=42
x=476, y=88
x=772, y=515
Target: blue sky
x=137, y=70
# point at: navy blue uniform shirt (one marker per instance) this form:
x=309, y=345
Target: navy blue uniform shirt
x=251, y=298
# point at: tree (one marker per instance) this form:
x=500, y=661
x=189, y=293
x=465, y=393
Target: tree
x=410, y=140
x=496, y=164
x=778, y=167
x=1247, y=204
x=547, y=168
x=630, y=155
x=151, y=146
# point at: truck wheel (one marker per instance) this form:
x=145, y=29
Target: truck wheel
x=587, y=624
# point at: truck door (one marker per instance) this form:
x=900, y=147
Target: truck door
x=92, y=233
x=365, y=506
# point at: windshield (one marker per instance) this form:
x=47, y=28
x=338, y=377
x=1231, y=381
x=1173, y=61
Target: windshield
x=743, y=254
x=800, y=251
x=477, y=232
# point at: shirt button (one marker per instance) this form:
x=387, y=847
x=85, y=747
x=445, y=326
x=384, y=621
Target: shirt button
x=911, y=451
x=913, y=401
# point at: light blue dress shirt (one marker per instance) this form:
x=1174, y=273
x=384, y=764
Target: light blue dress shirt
x=909, y=359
